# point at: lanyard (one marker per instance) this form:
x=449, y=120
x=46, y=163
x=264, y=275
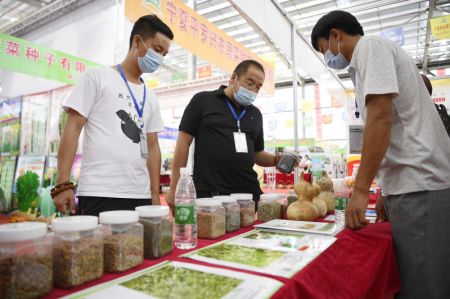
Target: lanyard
x=238, y=119
x=140, y=111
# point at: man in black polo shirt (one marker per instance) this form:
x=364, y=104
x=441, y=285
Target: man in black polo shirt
x=229, y=137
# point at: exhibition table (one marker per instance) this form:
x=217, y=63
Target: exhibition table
x=359, y=264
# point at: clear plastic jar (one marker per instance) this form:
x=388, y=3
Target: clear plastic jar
x=158, y=230
x=210, y=218
x=77, y=250
x=123, y=240
x=25, y=260
x=247, y=208
x=270, y=207
x=232, y=212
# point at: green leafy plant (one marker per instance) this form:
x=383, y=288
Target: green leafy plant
x=27, y=186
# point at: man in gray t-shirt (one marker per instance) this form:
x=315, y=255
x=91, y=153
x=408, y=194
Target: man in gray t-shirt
x=405, y=147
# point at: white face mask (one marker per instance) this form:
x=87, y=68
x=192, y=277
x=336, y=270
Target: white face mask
x=337, y=62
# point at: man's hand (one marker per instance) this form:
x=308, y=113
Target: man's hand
x=355, y=214
x=381, y=212
x=170, y=199
x=64, y=199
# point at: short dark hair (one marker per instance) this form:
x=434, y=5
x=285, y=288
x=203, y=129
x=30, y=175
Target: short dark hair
x=243, y=66
x=427, y=84
x=336, y=19
x=147, y=26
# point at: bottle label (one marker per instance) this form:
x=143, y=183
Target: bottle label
x=185, y=214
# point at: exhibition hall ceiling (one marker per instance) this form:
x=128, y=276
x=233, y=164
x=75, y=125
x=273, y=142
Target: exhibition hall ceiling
x=406, y=20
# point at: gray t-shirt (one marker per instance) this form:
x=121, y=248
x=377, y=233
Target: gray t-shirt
x=418, y=156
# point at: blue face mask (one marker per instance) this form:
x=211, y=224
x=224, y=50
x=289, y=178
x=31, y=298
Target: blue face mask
x=244, y=97
x=151, y=61
x=337, y=62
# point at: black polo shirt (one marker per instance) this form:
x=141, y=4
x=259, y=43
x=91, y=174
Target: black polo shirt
x=217, y=166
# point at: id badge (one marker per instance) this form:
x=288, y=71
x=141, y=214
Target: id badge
x=240, y=141
x=143, y=143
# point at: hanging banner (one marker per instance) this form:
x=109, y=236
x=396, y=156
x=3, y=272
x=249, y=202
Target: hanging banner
x=204, y=71
x=440, y=27
x=196, y=34
x=21, y=56
x=441, y=92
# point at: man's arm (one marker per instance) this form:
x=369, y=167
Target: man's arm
x=377, y=136
x=265, y=159
x=66, y=154
x=154, y=166
x=179, y=160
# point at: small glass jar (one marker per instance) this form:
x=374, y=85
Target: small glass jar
x=123, y=240
x=158, y=230
x=77, y=250
x=270, y=207
x=25, y=260
x=210, y=218
x=247, y=208
x=232, y=213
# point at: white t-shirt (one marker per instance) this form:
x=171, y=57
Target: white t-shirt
x=418, y=156
x=112, y=165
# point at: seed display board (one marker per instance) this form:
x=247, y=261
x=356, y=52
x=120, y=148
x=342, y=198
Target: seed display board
x=184, y=280
x=276, y=253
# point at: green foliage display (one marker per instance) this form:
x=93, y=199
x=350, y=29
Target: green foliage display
x=27, y=186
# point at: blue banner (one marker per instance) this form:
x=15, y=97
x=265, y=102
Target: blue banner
x=395, y=34
x=169, y=133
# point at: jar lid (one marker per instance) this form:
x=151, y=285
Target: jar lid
x=242, y=196
x=272, y=196
x=74, y=223
x=118, y=217
x=153, y=211
x=208, y=202
x=226, y=199
x=14, y=232
x=220, y=197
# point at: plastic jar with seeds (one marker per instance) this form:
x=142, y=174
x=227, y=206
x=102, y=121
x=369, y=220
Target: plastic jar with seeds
x=247, y=208
x=232, y=212
x=158, y=230
x=77, y=250
x=270, y=207
x=123, y=240
x=210, y=218
x=25, y=260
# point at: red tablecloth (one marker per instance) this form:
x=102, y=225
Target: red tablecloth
x=358, y=265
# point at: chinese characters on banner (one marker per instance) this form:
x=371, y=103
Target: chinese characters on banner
x=19, y=55
x=440, y=27
x=196, y=34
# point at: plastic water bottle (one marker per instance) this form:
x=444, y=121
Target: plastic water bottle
x=185, y=212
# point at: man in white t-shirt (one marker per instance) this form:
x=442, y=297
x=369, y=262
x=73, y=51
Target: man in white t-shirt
x=405, y=146
x=121, y=119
